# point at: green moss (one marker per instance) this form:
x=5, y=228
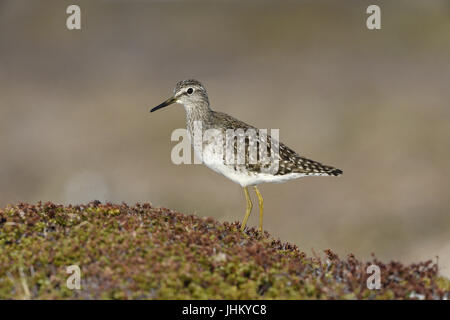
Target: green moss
x=142, y=252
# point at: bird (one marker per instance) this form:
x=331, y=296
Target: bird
x=251, y=170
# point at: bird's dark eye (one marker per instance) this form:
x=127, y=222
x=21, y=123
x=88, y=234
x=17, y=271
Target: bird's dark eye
x=190, y=90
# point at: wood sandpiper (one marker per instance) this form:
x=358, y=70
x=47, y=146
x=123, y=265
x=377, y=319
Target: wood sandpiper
x=290, y=165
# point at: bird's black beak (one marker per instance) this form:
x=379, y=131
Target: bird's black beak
x=165, y=104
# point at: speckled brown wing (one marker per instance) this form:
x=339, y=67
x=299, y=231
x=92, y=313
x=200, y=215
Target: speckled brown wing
x=289, y=160
x=229, y=122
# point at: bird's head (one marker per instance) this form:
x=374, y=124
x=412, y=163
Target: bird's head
x=189, y=93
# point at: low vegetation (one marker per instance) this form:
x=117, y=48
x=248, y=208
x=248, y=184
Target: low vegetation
x=143, y=252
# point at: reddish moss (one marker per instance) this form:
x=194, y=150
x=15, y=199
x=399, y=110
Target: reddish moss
x=144, y=252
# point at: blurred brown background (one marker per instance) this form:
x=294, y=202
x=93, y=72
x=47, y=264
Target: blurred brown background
x=75, y=126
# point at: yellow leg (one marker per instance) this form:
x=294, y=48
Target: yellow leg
x=249, y=209
x=261, y=208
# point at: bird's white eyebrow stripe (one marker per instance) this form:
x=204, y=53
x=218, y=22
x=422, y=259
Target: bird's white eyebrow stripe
x=181, y=93
x=184, y=91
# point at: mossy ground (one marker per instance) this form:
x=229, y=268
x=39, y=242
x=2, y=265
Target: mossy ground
x=142, y=252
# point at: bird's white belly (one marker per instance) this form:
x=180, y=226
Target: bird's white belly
x=238, y=173
x=213, y=158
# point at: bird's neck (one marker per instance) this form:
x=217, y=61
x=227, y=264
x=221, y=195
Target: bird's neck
x=200, y=112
